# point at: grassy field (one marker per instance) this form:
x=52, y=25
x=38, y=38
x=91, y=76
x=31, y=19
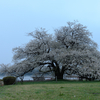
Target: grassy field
x=61, y=90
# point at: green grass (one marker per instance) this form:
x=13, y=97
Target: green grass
x=51, y=90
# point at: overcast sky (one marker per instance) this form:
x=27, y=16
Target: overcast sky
x=19, y=17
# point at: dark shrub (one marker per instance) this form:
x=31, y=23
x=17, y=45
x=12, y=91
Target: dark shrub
x=1, y=79
x=9, y=80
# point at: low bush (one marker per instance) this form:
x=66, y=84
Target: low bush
x=1, y=79
x=9, y=80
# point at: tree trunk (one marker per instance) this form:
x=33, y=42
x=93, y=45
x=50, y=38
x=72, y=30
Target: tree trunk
x=58, y=72
x=59, y=75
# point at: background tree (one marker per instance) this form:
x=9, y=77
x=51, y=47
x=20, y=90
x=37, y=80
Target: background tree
x=69, y=51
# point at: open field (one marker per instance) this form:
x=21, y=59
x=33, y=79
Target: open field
x=51, y=90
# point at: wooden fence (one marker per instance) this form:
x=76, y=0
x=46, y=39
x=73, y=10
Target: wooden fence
x=38, y=79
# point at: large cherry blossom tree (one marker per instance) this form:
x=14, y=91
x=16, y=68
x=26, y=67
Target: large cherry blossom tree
x=70, y=50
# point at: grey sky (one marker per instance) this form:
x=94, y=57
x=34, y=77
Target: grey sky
x=18, y=17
